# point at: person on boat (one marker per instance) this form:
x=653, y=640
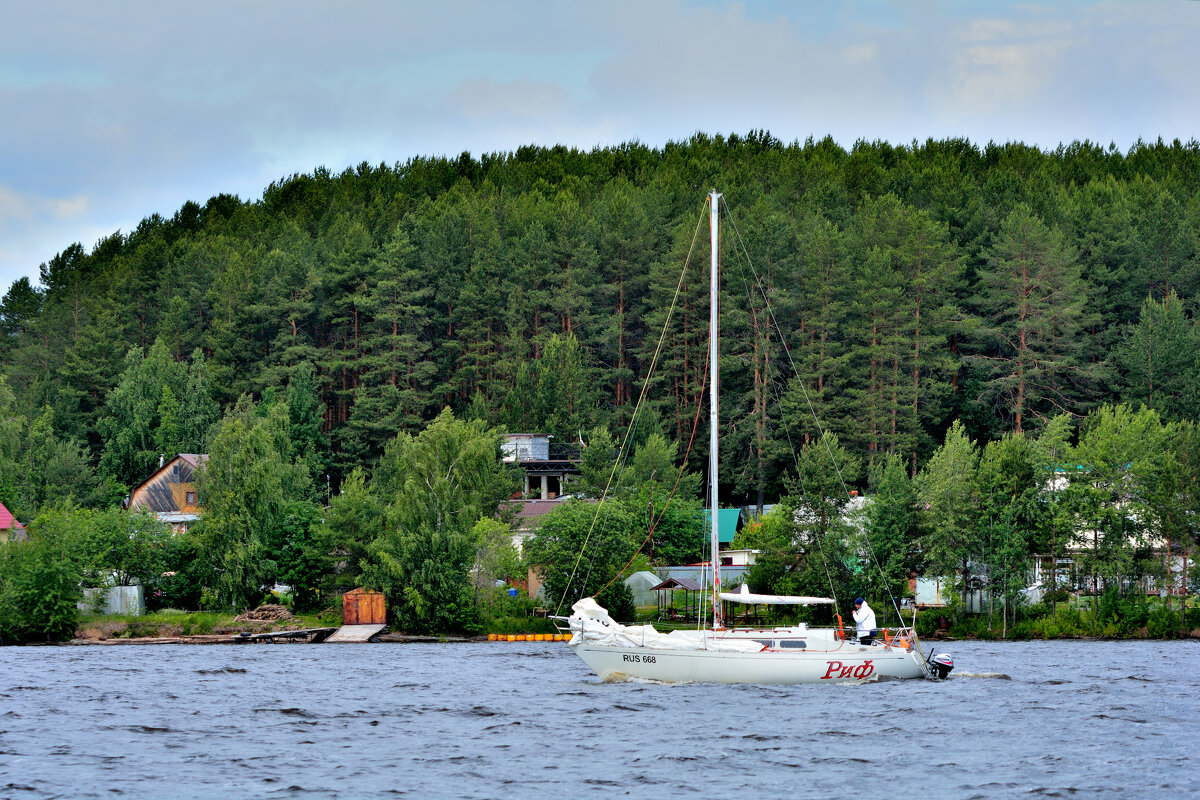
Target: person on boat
x=864, y=617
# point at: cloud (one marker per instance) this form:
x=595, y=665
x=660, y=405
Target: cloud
x=31, y=230
x=20, y=207
x=482, y=99
x=175, y=102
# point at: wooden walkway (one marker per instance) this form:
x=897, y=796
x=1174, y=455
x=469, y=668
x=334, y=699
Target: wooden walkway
x=354, y=634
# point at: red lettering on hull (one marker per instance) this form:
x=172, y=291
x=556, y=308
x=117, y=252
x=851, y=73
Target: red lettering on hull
x=838, y=670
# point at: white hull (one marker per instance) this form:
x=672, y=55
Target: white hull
x=848, y=663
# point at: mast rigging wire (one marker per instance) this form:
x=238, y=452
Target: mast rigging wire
x=837, y=468
x=623, y=453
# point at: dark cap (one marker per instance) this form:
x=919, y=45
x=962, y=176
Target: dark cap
x=858, y=601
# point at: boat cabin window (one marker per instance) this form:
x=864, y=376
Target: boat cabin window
x=792, y=643
x=764, y=642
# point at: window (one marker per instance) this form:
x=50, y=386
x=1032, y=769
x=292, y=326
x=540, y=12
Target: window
x=793, y=643
x=190, y=498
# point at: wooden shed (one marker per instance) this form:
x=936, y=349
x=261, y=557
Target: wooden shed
x=360, y=607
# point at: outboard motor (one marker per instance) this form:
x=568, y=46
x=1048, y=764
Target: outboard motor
x=940, y=664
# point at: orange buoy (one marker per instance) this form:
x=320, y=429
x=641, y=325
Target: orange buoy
x=511, y=638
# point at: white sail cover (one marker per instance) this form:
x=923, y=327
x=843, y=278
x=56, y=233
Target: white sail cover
x=745, y=596
x=591, y=623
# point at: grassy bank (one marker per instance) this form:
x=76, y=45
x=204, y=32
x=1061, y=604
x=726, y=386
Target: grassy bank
x=170, y=623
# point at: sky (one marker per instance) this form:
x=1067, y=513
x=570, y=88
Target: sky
x=111, y=112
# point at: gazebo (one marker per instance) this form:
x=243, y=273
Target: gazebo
x=691, y=598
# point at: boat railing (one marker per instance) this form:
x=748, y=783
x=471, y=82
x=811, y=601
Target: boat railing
x=903, y=638
x=561, y=624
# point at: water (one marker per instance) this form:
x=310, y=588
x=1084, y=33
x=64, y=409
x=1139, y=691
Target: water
x=499, y=720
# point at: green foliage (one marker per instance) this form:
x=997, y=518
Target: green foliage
x=553, y=393
x=1156, y=360
x=126, y=548
x=39, y=582
x=1121, y=451
x=948, y=495
x=132, y=420
x=255, y=527
x=496, y=561
x=423, y=571
x=1161, y=623
x=891, y=522
x=893, y=272
x=598, y=460
x=353, y=520
x=52, y=470
x=581, y=546
x=679, y=526
x=1032, y=302
x=435, y=487
x=915, y=286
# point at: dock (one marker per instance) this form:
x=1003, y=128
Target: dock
x=310, y=635
x=350, y=634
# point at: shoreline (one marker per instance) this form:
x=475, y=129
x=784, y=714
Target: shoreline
x=294, y=637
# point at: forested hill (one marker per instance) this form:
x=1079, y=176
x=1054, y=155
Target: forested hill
x=913, y=284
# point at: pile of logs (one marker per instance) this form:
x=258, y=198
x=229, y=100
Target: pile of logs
x=267, y=613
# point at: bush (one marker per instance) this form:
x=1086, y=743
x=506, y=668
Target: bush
x=1162, y=623
x=1035, y=611
x=1022, y=631
x=39, y=587
x=929, y=621
x=1123, y=612
x=618, y=600
x=1193, y=618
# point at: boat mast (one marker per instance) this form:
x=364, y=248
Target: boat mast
x=713, y=338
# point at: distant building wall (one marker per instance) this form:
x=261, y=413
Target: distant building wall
x=128, y=601
x=170, y=493
x=931, y=591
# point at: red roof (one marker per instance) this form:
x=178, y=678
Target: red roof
x=534, y=509
x=8, y=521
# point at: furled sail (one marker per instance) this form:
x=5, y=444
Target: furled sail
x=744, y=595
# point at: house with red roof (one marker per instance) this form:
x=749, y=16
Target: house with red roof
x=10, y=529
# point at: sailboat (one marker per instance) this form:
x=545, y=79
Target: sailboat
x=732, y=654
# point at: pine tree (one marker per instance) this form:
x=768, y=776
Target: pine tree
x=1158, y=360
x=1031, y=302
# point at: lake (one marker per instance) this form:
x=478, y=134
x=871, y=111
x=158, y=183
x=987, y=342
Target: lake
x=500, y=720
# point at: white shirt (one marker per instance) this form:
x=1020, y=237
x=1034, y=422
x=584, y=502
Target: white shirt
x=865, y=618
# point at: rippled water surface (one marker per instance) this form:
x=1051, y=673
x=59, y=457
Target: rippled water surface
x=1114, y=719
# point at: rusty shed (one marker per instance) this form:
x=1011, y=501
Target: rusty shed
x=361, y=607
